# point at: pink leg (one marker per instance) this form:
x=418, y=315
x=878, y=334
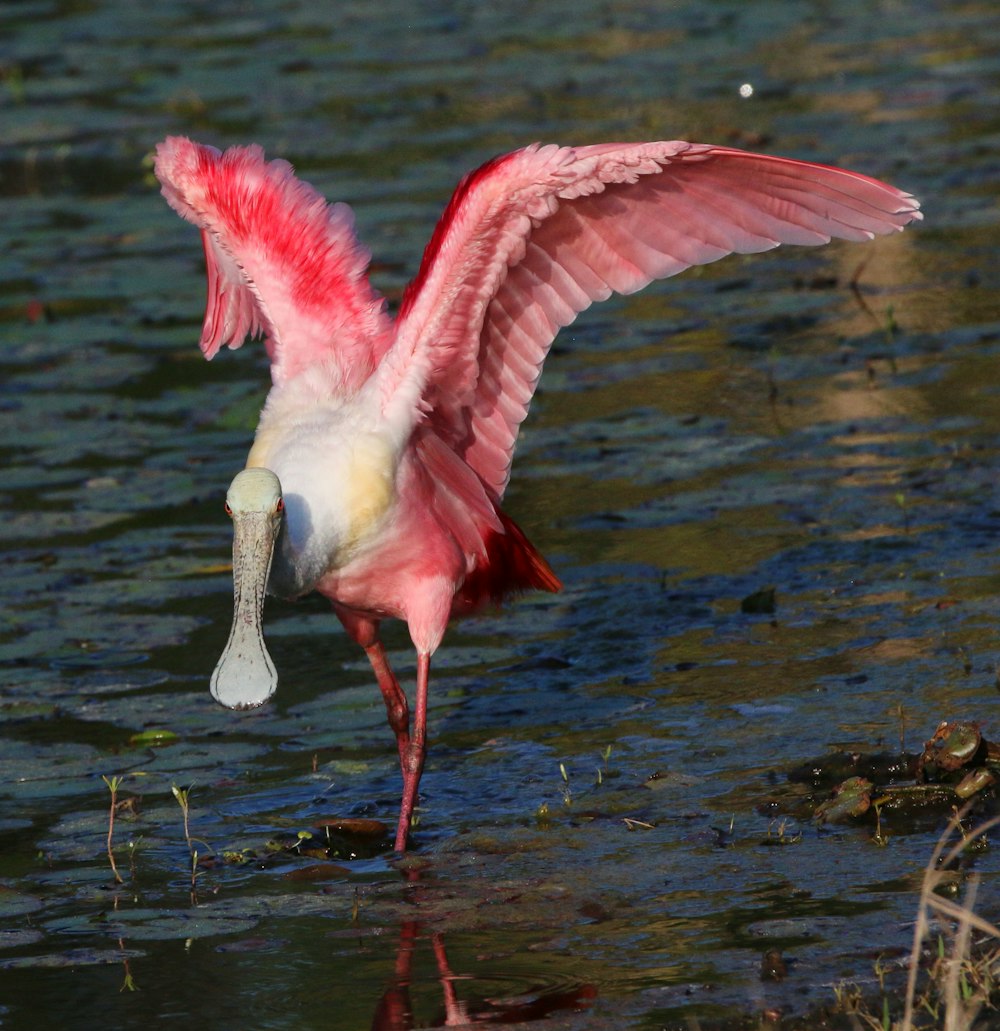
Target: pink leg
x=412, y=749
x=365, y=632
x=396, y=707
x=413, y=763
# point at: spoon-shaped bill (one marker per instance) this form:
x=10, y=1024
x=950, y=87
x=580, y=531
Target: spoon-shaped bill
x=245, y=676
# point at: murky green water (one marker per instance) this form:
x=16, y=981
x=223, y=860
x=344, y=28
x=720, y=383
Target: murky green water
x=753, y=424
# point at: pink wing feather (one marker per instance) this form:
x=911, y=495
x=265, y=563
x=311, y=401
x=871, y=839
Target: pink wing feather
x=279, y=260
x=533, y=238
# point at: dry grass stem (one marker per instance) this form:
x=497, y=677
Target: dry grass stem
x=964, y=986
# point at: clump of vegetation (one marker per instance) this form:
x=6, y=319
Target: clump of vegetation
x=956, y=765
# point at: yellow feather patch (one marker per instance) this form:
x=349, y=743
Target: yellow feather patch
x=259, y=452
x=370, y=486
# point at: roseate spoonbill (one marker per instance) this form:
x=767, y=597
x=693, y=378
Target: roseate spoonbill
x=384, y=446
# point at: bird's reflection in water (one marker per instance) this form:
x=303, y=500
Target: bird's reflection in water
x=394, y=1011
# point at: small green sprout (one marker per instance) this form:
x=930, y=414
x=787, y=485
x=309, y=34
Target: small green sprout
x=113, y=783
x=566, y=793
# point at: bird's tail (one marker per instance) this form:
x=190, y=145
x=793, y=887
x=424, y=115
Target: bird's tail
x=513, y=564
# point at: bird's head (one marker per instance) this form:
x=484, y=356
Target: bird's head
x=245, y=676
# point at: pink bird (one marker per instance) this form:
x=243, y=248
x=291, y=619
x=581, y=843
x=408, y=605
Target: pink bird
x=384, y=446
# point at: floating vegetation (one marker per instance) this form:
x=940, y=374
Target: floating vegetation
x=956, y=764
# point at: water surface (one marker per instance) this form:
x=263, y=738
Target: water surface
x=752, y=424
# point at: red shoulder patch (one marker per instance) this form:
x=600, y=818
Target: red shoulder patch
x=458, y=198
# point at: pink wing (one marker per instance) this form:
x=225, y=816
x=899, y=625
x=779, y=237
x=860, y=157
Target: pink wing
x=533, y=238
x=279, y=260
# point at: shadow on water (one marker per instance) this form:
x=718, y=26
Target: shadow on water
x=769, y=487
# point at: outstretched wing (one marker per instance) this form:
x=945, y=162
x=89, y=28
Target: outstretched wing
x=533, y=238
x=279, y=261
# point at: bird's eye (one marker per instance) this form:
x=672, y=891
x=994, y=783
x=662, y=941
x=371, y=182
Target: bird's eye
x=280, y=506
x=229, y=509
